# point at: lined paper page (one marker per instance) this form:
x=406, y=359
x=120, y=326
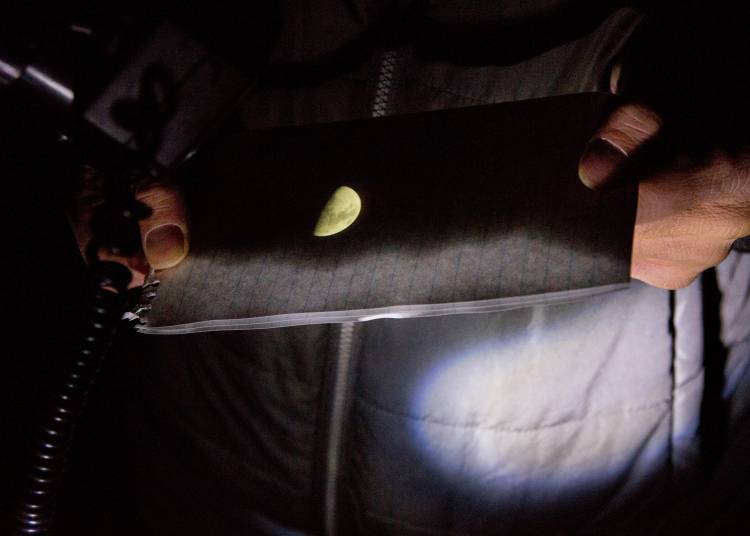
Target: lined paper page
x=466, y=206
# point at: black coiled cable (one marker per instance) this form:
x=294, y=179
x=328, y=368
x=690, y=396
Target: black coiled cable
x=104, y=310
x=115, y=229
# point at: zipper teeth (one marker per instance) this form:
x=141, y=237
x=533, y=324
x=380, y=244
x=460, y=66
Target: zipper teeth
x=385, y=83
x=346, y=340
x=346, y=335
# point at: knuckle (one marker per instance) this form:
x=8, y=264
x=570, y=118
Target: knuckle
x=641, y=115
x=164, y=200
x=156, y=193
x=631, y=125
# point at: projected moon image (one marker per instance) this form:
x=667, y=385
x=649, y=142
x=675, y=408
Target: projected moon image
x=341, y=210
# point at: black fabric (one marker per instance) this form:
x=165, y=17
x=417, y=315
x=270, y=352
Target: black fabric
x=318, y=42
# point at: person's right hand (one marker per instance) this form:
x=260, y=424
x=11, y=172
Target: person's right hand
x=690, y=210
x=164, y=234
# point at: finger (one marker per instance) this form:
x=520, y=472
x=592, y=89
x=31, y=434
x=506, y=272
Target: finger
x=165, y=232
x=624, y=131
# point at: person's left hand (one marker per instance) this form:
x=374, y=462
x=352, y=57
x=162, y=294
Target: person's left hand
x=689, y=211
x=164, y=234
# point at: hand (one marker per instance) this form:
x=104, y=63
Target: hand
x=690, y=209
x=164, y=234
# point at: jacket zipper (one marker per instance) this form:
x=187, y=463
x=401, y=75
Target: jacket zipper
x=345, y=348
x=341, y=387
x=385, y=83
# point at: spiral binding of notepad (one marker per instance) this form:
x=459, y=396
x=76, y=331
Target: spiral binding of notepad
x=148, y=292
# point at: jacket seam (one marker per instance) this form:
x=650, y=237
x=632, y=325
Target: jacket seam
x=687, y=381
x=259, y=369
x=443, y=89
x=266, y=477
x=665, y=404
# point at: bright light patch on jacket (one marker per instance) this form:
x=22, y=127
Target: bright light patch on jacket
x=486, y=417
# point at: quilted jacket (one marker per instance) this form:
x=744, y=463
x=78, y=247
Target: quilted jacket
x=571, y=418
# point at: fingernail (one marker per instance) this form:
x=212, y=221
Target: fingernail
x=165, y=246
x=599, y=161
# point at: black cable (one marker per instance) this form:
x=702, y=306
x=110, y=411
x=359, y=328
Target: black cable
x=104, y=310
x=714, y=417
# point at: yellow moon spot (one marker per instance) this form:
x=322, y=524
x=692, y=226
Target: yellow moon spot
x=339, y=213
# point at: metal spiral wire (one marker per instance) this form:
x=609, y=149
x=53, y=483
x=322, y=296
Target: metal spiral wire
x=115, y=228
x=104, y=310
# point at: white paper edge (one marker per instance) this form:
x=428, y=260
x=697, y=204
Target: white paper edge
x=395, y=311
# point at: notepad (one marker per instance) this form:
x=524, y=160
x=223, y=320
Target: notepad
x=466, y=210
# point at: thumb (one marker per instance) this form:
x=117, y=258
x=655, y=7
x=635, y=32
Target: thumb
x=165, y=232
x=624, y=131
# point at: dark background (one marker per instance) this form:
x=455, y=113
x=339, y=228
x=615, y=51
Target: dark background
x=43, y=280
